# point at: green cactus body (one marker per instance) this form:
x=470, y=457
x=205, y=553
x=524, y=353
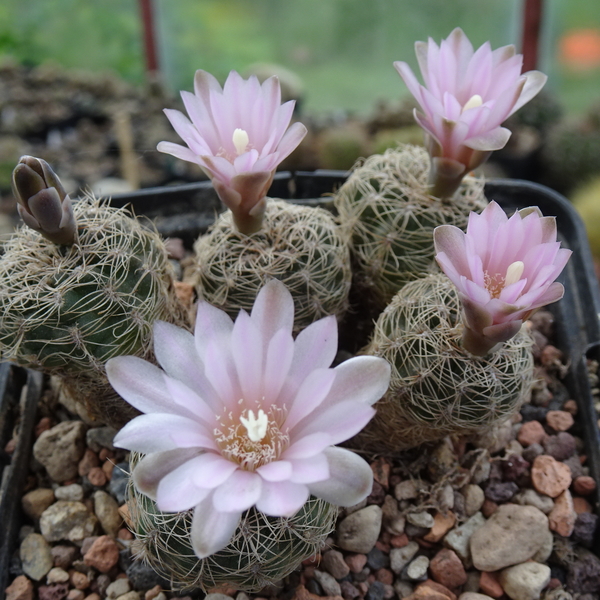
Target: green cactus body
x=67, y=309
x=263, y=550
x=389, y=216
x=437, y=388
x=301, y=246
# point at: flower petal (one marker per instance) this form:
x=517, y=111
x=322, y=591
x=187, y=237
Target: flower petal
x=211, y=529
x=282, y=498
x=238, y=492
x=177, y=490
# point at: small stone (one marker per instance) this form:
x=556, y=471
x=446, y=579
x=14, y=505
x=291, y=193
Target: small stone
x=359, y=531
x=442, y=524
x=581, y=505
x=376, y=559
x=531, y=432
x=73, y=492
x=107, y=511
x=100, y=437
x=356, y=562
x=497, y=439
x=531, y=452
x=488, y=508
x=385, y=576
x=381, y=471
x=393, y=521
x=89, y=461
x=57, y=575
x=376, y=591
x=133, y=595
x=446, y=498
x=75, y=594
x=431, y=590
x=474, y=596
x=543, y=554
x=118, y=483
x=559, y=420
x=415, y=532
x=328, y=583
x=118, y=587
x=474, y=498
x=400, y=557
x=60, y=449
x=399, y=541
x=532, y=498
x=417, y=569
x=563, y=516
x=403, y=588
x=80, y=581
x=66, y=520
x=56, y=591
x=549, y=476
x=560, y=446
x=489, y=584
x=513, y=534
x=34, y=503
x=103, y=554
x=514, y=467
x=514, y=448
x=501, y=491
x=584, y=485
x=459, y=538
x=447, y=568
x=472, y=583
x=63, y=556
x=142, y=576
x=349, y=591
x=584, y=574
x=525, y=581
x=97, y=477
x=585, y=529
x=93, y=596
x=420, y=519
x=407, y=490
x=152, y=593
x=333, y=562
x=36, y=556
x=20, y=589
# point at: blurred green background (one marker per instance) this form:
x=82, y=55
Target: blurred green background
x=342, y=49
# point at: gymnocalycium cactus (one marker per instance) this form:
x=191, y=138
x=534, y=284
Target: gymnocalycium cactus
x=460, y=351
x=248, y=419
x=238, y=136
x=85, y=286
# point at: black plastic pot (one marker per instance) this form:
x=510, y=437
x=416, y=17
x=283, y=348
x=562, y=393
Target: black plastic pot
x=185, y=211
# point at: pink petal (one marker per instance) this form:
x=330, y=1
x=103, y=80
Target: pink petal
x=291, y=140
x=177, y=151
x=282, y=498
x=535, y=81
x=211, y=470
x=307, y=446
x=312, y=392
x=191, y=404
x=247, y=346
x=211, y=529
x=177, y=490
x=273, y=310
x=450, y=240
x=310, y=470
x=277, y=365
x=350, y=480
x=279, y=470
x=238, y=492
x=204, y=82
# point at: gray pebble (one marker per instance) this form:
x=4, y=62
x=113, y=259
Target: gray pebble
x=100, y=437
x=359, y=531
x=36, y=556
x=400, y=557
x=417, y=569
x=73, y=492
x=328, y=583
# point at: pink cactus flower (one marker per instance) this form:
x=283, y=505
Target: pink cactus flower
x=243, y=415
x=238, y=135
x=504, y=269
x=467, y=96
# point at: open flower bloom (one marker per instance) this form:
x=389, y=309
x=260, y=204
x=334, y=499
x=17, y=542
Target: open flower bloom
x=503, y=268
x=244, y=415
x=467, y=96
x=238, y=135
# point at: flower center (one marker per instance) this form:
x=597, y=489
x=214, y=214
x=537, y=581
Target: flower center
x=240, y=141
x=496, y=283
x=252, y=440
x=473, y=102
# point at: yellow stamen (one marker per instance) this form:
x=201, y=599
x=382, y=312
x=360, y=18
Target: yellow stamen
x=473, y=102
x=240, y=141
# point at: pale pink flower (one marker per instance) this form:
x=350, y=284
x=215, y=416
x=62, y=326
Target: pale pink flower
x=243, y=415
x=503, y=268
x=238, y=135
x=467, y=96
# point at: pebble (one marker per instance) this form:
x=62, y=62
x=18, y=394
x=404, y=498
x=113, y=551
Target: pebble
x=89, y=461
x=514, y=467
x=531, y=432
x=36, y=556
x=377, y=559
x=103, y=554
x=66, y=520
x=57, y=575
x=474, y=498
x=581, y=505
x=563, y=516
x=560, y=446
x=584, y=574
x=107, y=511
x=417, y=569
x=403, y=588
x=585, y=529
x=488, y=583
x=349, y=591
x=100, y=437
x=549, y=476
x=359, y=531
x=400, y=557
x=474, y=596
x=407, y=490
x=118, y=587
x=559, y=420
x=133, y=595
x=20, y=589
x=333, y=562
x=513, y=534
x=80, y=580
x=501, y=491
x=459, y=538
x=442, y=524
x=55, y=591
x=447, y=568
x=143, y=577
x=376, y=591
x=72, y=492
x=420, y=519
x=545, y=550
x=356, y=562
x=97, y=477
x=34, y=503
x=532, y=498
x=530, y=453
x=525, y=581
x=393, y=521
x=60, y=449
x=63, y=556
x=584, y=485
x=328, y=583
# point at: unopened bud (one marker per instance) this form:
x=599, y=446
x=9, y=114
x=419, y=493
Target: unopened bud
x=43, y=203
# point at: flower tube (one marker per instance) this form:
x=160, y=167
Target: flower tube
x=243, y=415
x=467, y=95
x=504, y=269
x=238, y=135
